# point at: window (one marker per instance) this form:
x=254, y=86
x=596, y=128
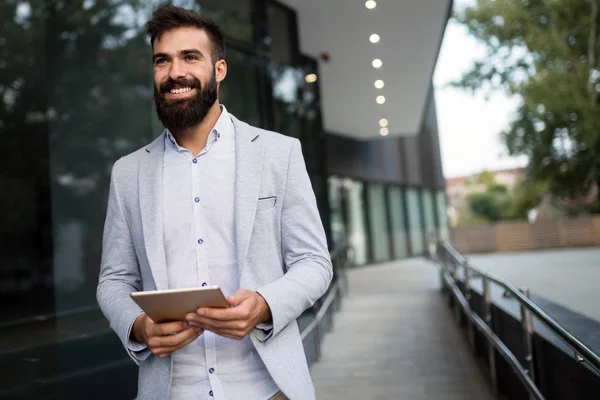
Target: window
x=357, y=230
x=234, y=17
x=414, y=221
x=429, y=215
x=239, y=91
x=397, y=222
x=281, y=25
x=442, y=214
x=378, y=223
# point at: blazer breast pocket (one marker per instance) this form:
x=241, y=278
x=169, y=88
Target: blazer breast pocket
x=266, y=203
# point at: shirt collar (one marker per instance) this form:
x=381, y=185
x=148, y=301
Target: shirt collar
x=223, y=127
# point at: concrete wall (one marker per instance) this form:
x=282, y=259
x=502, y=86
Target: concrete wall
x=520, y=236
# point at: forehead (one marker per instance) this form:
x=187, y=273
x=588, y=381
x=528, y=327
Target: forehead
x=177, y=39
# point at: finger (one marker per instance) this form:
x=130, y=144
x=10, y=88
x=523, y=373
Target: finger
x=168, y=328
x=238, y=297
x=212, y=324
x=222, y=314
x=172, y=340
x=230, y=326
x=165, y=351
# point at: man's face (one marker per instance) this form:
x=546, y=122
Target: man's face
x=185, y=79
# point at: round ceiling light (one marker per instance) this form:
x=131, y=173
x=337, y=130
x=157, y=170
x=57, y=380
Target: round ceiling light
x=379, y=84
x=371, y=4
x=384, y=131
x=380, y=99
x=377, y=63
x=310, y=78
x=374, y=38
x=383, y=122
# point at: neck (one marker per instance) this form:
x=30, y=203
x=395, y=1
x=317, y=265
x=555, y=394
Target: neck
x=194, y=139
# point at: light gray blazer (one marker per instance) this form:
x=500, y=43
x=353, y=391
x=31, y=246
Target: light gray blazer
x=281, y=250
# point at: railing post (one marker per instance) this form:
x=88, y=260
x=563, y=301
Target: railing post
x=470, y=330
x=487, y=315
x=527, y=325
x=442, y=261
x=318, y=340
x=457, y=312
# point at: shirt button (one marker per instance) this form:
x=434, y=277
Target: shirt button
x=211, y=370
x=204, y=284
x=195, y=160
x=210, y=393
x=200, y=241
x=197, y=199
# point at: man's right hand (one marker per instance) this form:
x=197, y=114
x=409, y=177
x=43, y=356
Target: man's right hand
x=163, y=339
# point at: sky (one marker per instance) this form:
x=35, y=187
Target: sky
x=469, y=126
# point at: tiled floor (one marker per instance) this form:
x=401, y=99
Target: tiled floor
x=395, y=338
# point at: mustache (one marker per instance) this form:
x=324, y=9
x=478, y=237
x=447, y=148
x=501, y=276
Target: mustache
x=169, y=84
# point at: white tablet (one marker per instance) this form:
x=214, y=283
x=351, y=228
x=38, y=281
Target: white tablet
x=173, y=304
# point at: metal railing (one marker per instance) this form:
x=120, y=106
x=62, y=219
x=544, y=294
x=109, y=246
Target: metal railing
x=450, y=261
x=329, y=304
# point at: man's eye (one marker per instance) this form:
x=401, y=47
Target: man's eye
x=191, y=58
x=160, y=61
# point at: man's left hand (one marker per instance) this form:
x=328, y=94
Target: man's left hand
x=247, y=310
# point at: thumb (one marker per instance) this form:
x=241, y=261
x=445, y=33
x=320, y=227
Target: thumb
x=238, y=297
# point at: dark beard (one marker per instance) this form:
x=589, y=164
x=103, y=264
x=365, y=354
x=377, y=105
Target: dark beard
x=181, y=115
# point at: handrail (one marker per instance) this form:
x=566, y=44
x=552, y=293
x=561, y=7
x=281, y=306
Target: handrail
x=337, y=288
x=585, y=352
x=495, y=340
x=324, y=309
x=582, y=352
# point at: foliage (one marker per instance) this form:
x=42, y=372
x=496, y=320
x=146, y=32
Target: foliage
x=547, y=53
x=527, y=195
x=496, y=202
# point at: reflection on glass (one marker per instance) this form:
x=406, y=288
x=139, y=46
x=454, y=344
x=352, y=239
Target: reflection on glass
x=289, y=105
x=428, y=213
x=414, y=221
x=76, y=94
x=239, y=91
x=378, y=223
x=357, y=230
x=442, y=214
x=397, y=222
x=280, y=21
x=337, y=214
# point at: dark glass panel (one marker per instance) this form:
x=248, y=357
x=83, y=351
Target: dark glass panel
x=239, y=91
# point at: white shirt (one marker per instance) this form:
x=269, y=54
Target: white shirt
x=200, y=247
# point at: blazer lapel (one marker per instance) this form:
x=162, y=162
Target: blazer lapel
x=150, y=191
x=248, y=172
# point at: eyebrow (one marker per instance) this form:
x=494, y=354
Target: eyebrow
x=182, y=52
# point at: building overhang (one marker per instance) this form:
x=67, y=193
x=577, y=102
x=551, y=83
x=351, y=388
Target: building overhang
x=410, y=37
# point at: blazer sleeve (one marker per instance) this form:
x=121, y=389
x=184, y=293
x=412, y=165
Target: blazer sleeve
x=304, y=249
x=119, y=273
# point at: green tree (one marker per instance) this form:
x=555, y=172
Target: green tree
x=490, y=205
x=546, y=52
x=527, y=195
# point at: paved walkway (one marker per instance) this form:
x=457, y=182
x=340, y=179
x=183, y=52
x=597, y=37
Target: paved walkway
x=395, y=338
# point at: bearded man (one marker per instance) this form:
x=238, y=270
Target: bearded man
x=211, y=201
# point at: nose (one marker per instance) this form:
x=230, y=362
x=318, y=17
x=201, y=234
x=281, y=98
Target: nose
x=177, y=70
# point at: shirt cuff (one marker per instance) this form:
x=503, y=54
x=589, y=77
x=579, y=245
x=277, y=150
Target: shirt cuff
x=263, y=331
x=138, y=350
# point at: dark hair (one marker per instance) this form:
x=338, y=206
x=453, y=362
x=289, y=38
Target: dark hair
x=167, y=17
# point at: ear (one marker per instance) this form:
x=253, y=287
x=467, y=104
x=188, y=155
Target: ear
x=220, y=70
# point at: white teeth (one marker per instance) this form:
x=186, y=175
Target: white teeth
x=182, y=90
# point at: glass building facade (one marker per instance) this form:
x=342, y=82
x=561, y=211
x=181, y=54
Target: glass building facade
x=75, y=95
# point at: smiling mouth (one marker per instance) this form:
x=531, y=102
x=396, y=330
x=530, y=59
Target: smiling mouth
x=180, y=90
